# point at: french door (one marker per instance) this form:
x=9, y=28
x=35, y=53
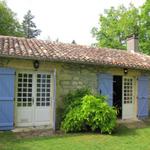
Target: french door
x=128, y=98
x=33, y=99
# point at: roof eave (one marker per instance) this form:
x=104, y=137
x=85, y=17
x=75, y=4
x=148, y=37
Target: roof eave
x=75, y=61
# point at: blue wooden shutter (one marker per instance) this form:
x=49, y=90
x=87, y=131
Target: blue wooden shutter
x=143, y=89
x=106, y=86
x=7, y=77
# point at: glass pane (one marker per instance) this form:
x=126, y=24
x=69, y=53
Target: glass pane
x=43, y=90
x=30, y=75
x=43, y=104
x=38, y=104
x=24, y=92
x=39, y=76
x=47, y=104
x=128, y=92
x=19, y=94
x=19, y=104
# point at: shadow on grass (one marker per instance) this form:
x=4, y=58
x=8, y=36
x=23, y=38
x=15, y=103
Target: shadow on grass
x=120, y=131
x=124, y=131
x=7, y=136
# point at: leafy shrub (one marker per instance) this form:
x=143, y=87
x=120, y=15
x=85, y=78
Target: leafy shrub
x=73, y=121
x=92, y=113
x=98, y=114
x=74, y=98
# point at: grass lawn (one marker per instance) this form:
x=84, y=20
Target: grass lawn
x=122, y=139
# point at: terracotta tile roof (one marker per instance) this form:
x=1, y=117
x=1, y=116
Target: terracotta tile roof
x=37, y=49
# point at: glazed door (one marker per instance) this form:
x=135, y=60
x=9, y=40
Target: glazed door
x=42, y=99
x=128, y=98
x=24, y=100
x=33, y=96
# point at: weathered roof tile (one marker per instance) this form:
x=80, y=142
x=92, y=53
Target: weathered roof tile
x=37, y=49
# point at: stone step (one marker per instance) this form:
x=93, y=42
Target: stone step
x=134, y=123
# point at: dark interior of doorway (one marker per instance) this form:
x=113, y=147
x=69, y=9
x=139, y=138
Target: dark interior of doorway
x=117, y=94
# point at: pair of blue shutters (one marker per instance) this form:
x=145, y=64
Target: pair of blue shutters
x=106, y=88
x=7, y=78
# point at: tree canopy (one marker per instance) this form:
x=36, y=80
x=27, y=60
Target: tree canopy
x=145, y=27
x=115, y=25
x=9, y=25
x=29, y=26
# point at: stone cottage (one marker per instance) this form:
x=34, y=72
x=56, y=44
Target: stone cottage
x=35, y=74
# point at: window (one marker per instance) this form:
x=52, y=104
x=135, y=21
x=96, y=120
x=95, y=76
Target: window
x=24, y=90
x=43, y=90
x=128, y=90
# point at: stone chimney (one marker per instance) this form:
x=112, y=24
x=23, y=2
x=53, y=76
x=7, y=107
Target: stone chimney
x=132, y=44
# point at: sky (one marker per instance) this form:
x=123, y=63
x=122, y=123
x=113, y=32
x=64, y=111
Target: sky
x=66, y=20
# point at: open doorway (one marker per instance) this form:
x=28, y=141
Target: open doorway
x=117, y=94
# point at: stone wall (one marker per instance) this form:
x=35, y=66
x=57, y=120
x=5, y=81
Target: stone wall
x=68, y=77
x=71, y=77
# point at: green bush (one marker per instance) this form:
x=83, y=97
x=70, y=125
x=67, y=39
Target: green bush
x=73, y=99
x=73, y=121
x=98, y=114
x=92, y=113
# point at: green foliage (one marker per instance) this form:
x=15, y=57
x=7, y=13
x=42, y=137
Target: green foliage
x=145, y=28
x=74, y=98
x=9, y=25
x=98, y=114
x=74, y=121
x=29, y=26
x=115, y=25
x=92, y=113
